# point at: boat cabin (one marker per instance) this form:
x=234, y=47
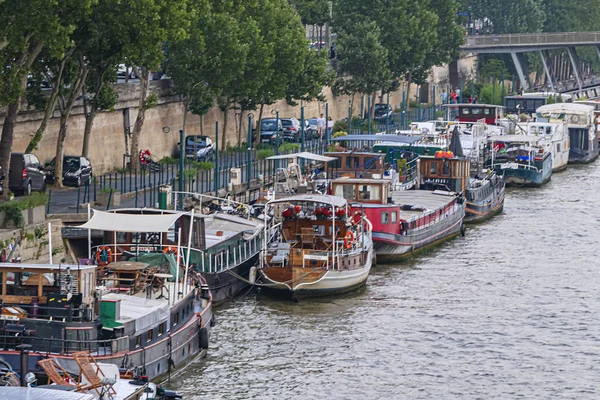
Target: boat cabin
x=357, y=164
x=444, y=171
x=43, y=290
x=524, y=104
x=476, y=112
x=374, y=191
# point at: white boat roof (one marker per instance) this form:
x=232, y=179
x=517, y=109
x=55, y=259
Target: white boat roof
x=427, y=201
x=121, y=222
x=145, y=312
x=515, y=138
x=569, y=108
x=312, y=198
x=365, y=181
x=472, y=105
x=305, y=154
x=37, y=393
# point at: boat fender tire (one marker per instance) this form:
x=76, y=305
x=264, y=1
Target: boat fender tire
x=213, y=321
x=462, y=230
x=203, y=338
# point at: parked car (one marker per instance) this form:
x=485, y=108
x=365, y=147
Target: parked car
x=26, y=174
x=312, y=128
x=269, y=129
x=199, y=147
x=383, y=111
x=292, y=130
x=77, y=170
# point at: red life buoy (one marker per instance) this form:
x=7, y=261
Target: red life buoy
x=170, y=250
x=103, y=260
x=348, y=240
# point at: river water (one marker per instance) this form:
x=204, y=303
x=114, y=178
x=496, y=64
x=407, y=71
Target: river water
x=508, y=311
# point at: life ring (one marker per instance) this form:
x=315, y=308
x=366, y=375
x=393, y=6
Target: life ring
x=170, y=250
x=103, y=255
x=348, y=240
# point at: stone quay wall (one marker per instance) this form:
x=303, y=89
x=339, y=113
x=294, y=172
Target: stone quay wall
x=108, y=140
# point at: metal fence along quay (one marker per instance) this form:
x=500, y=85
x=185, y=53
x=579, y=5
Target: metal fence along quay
x=140, y=188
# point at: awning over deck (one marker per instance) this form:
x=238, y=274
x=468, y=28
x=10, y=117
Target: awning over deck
x=116, y=222
x=305, y=154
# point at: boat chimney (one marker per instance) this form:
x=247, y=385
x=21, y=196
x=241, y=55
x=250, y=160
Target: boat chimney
x=24, y=357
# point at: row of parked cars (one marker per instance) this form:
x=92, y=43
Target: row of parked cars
x=289, y=130
x=27, y=174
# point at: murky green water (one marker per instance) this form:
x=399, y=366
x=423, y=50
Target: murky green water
x=509, y=311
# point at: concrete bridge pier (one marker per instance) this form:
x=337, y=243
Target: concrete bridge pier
x=522, y=69
x=575, y=64
x=544, y=56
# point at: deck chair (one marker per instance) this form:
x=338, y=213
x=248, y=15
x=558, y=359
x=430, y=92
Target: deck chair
x=89, y=369
x=57, y=374
x=308, y=236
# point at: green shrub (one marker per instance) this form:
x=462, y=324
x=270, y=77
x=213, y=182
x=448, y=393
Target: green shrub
x=264, y=146
x=340, y=126
x=205, y=166
x=289, y=147
x=168, y=160
x=264, y=153
x=339, y=134
x=12, y=209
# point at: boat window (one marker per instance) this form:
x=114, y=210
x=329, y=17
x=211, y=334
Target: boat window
x=348, y=162
x=433, y=168
x=176, y=318
x=138, y=341
x=369, y=192
x=487, y=111
x=345, y=191
x=558, y=147
x=385, y=218
x=445, y=167
x=465, y=111
x=161, y=329
x=394, y=217
x=476, y=111
x=150, y=334
x=335, y=163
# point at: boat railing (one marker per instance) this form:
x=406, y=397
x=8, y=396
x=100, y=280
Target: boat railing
x=226, y=259
x=518, y=165
x=68, y=313
x=202, y=198
x=64, y=346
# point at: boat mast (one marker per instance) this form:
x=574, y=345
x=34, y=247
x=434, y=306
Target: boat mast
x=334, y=252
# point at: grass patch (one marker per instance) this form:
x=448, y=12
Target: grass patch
x=12, y=209
x=264, y=153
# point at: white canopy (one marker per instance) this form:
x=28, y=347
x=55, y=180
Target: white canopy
x=108, y=221
x=305, y=154
x=313, y=198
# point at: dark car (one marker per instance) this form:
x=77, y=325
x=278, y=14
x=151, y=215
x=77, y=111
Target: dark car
x=26, y=174
x=77, y=170
x=269, y=130
x=312, y=128
x=292, y=130
x=383, y=111
x=199, y=148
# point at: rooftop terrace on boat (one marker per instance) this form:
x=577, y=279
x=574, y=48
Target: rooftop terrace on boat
x=415, y=203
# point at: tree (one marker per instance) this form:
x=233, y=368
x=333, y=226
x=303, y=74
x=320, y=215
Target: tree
x=521, y=17
x=309, y=84
x=363, y=59
x=26, y=31
x=74, y=78
x=150, y=24
x=284, y=31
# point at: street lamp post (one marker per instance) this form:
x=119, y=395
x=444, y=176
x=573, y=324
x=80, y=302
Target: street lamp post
x=249, y=160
